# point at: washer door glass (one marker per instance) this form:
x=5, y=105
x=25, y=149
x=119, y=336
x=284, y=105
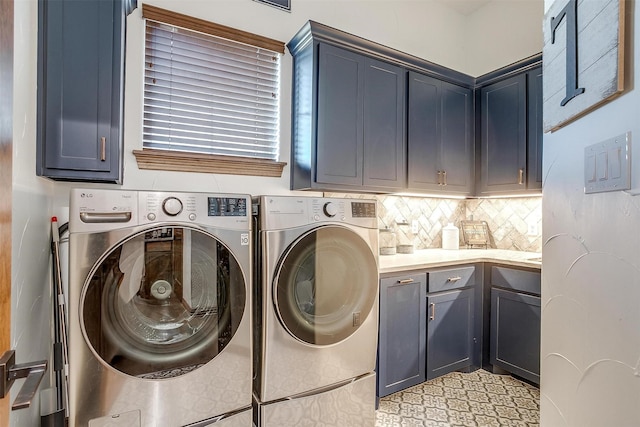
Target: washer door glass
x=326, y=285
x=163, y=302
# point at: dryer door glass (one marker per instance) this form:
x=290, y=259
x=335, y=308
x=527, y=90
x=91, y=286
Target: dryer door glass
x=326, y=285
x=163, y=302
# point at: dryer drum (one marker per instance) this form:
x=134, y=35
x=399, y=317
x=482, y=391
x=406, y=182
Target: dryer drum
x=324, y=286
x=160, y=304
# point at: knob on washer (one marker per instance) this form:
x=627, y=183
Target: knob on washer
x=172, y=206
x=330, y=209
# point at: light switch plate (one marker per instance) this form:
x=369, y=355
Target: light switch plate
x=607, y=165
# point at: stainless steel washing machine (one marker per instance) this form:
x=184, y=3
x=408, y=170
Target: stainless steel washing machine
x=317, y=311
x=159, y=308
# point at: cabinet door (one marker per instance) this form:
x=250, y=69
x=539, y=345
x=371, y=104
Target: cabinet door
x=515, y=333
x=80, y=75
x=439, y=136
x=423, y=133
x=340, y=116
x=401, y=347
x=503, y=144
x=384, y=135
x=449, y=332
x=534, y=130
x=456, y=145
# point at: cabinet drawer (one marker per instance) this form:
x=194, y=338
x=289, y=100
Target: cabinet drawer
x=519, y=280
x=403, y=280
x=454, y=278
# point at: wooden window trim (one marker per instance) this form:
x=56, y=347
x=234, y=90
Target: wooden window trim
x=189, y=22
x=207, y=163
x=198, y=162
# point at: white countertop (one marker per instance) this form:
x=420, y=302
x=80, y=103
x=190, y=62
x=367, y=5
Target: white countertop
x=429, y=258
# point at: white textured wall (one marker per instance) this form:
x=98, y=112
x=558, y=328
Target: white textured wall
x=590, y=355
x=502, y=32
x=31, y=215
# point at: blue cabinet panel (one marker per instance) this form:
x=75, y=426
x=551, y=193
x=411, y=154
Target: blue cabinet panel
x=402, y=333
x=503, y=137
x=423, y=135
x=447, y=279
x=80, y=83
x=384, y=128
x=457, y=151
x=450, y=332
x=340, y=116
x=510, y=135
x=515, y=333
x=348, y=126
x=516, y=279
x=534, y=129
x=439, y=136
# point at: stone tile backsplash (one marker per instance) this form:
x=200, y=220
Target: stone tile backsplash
x=514, y=223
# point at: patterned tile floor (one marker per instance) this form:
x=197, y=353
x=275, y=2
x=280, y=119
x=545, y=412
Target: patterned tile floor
x=477, y=399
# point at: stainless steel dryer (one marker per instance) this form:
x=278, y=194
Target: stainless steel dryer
x=317, y=311
x=159, y=308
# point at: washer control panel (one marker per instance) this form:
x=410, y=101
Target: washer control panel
x=227, y=206
x=97, y=209
x=324, y=209
x=202, y=208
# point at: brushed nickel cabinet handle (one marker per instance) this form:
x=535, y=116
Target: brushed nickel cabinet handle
x=444, y=177
x=433, y=312
x=405, y=281
x=520, y=176
x=439, y=177
x=103, y=148
x=454, y=279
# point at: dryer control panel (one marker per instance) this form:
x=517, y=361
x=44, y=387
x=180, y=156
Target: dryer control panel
x=280, y=212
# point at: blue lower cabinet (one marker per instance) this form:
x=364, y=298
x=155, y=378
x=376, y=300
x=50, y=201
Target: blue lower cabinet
x=515, y=333
x=402, y=333
x=424, y=335
x=449, y=332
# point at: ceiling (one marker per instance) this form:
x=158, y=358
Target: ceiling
x=465, y=7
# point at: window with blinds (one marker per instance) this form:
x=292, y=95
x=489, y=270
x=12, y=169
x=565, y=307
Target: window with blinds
x=209, y=94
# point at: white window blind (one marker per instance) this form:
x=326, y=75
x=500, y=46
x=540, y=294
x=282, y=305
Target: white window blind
x=207, y=94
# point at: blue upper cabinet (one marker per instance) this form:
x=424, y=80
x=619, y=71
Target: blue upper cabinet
x=510, y=135
x=384, y=125
x=350, y=115
x=534, y=150
x=503, y=136
x=368, y=118
x=80, y=89
x=340, y=139
x=440, y=136
x=349, y=134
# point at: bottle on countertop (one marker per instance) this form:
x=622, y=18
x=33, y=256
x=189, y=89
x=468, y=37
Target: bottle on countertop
x=450, y=237
x=387, y=242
